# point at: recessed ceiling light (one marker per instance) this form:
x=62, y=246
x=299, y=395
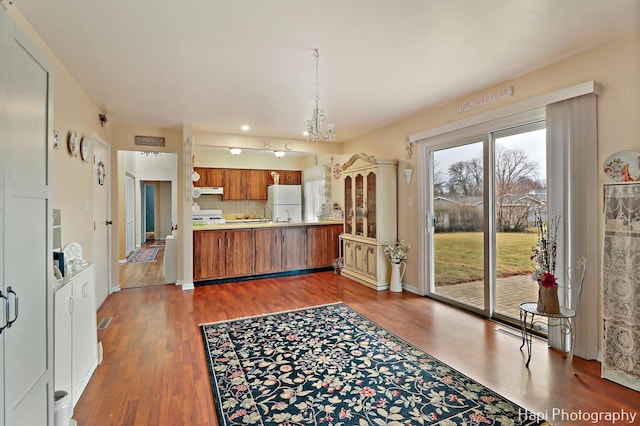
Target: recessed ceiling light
x=245, y=127
x=305, y=133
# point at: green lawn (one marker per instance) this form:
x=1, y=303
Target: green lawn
x=459, y=255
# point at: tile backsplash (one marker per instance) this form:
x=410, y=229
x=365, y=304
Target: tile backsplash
x=231, y=209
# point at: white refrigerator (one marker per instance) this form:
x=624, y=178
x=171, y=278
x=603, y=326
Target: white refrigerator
x=285, y=202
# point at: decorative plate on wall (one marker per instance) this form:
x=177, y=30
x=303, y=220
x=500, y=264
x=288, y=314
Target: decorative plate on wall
x=84, y=148
x=73, y=143
x=623, y=166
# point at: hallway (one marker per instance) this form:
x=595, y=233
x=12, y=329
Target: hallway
x=143, y=274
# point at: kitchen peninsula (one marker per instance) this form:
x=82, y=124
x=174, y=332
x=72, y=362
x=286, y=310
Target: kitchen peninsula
x=246, y=249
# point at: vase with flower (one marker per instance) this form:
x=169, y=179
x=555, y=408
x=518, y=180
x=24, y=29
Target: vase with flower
x=544, y=258
x=397, y=253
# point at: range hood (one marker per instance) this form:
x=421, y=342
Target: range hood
x=210, y=190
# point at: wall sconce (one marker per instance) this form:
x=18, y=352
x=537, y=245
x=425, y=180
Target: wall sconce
x=408, y=173
x=278, y=154
x=103, y=119
x=235, y=151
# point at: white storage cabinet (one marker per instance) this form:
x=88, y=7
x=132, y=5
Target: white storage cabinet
x=75, y=333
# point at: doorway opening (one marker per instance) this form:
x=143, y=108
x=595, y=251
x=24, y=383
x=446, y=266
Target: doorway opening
x=148, y=209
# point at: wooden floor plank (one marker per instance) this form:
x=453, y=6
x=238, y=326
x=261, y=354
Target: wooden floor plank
x=154, y=370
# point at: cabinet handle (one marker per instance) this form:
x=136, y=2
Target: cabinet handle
x=219, y=242
x=6, y=304
x=229, y=243
x=15, y=311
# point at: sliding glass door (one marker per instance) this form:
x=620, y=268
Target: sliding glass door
x=458, y=223
x=483, y=194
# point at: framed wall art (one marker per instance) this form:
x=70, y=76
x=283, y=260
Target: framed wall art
x=149, y=140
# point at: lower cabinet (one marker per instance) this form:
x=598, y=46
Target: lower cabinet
x=255, y=251
x=220, y=254
x=268, y=250
x=365, y=263
x=322, y=245
x=75, y=333
x=294, y=248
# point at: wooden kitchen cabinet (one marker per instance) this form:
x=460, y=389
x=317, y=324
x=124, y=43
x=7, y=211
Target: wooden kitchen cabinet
x=209, y=177
x=322, y=245
x=239, y=252
x=208, y=254
x=220, y=254
x=287, y=177
x=235, y=185
x=268, y=250
x=257, y=181
x=294, y=248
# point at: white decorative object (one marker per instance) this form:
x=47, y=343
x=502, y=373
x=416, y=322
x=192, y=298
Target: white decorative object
x=408, y=173
x=621, y=285
x=486, y=99
x=396, y=276
x=623, y=166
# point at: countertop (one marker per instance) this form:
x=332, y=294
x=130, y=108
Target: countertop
x=248, y=224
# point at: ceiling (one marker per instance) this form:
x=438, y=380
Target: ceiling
x=216, y=65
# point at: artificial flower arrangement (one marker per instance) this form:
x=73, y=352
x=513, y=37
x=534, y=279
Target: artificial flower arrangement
x=544, y=253
x=396, y=251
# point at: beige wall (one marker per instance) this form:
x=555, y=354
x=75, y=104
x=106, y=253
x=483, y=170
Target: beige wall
x=616, y=66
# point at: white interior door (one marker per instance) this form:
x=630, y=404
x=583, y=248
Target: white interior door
x=102, y=221
x=130, y=211
x=25, y=79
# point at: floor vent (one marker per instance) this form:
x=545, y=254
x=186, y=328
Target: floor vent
x=104, y=323
x=511, y=333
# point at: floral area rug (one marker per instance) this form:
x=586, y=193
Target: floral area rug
x=329, y=365
x=143, y=255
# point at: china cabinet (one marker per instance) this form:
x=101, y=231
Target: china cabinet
x=621, y=284
x=370, y=187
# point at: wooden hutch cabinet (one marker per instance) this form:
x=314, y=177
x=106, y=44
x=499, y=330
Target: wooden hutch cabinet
x=370, y=188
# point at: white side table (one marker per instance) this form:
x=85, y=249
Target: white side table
x=528, y=312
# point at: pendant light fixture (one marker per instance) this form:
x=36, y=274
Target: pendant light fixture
x=313, y=132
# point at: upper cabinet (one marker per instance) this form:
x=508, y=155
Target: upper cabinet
x=235, y=185
x=370, y=187
x=244, y=184
x=209, y=177
x=288, y=177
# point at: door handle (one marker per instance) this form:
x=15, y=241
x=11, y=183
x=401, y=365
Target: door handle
x=6, y=301
x=109, y=222
x=15, y=311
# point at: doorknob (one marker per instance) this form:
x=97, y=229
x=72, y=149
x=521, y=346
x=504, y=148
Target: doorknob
x=109, y=222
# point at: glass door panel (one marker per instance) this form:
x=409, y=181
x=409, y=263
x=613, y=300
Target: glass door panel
x=520, y=191
x=348, y=205
x=371, y=205
x=458, y=225
x=359, y=203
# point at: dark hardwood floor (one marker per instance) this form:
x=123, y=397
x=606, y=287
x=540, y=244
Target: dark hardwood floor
x=154, y=371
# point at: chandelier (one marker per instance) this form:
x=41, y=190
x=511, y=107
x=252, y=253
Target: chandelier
x=313, y=132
